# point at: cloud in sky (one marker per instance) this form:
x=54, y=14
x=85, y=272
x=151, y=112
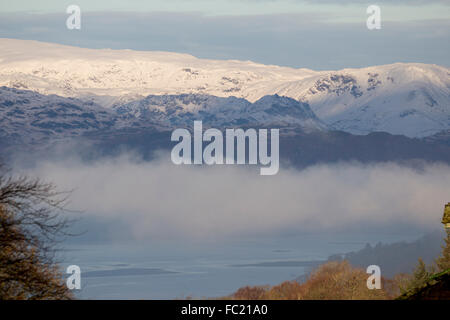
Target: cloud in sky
x=158, y=199
x=297, y=40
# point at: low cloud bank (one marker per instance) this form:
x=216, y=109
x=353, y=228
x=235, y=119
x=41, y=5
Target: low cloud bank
x=158, y=199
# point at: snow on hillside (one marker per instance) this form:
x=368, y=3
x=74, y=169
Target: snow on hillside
x=182, y=110
x=31, y=117
x=402, y=98
x=72, y=71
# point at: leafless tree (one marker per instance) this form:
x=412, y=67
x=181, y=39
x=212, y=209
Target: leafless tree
x=32, y=222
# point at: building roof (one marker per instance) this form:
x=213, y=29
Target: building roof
x=446, y=217
x=437, y=287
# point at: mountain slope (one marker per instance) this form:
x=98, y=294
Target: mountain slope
x=403, y=98
x=34, y=117
x=409, y=99
x=30, y=117
x=182, y=110
x=49, y=125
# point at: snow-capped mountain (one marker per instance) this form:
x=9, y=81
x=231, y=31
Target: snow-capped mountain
x=32, y=117
x=403, y=98
x=408, y=99
x=182, y=110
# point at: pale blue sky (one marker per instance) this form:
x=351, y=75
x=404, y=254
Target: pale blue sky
x=321, y=34
x=343, y=10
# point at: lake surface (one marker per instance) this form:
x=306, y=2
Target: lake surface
x=181, y=270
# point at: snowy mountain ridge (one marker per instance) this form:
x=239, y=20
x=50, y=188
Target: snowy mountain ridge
x=402, y=98
x=32, y=117
x=182, y=110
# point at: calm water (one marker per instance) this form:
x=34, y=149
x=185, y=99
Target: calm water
x=178, y=270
